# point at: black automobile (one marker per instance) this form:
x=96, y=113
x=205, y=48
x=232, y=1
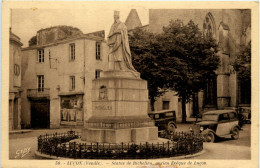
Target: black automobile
x=218, y=123
x=165, y=120
x=245, y=115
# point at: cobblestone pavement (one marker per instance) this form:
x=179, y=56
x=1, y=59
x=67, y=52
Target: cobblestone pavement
x=23, y=146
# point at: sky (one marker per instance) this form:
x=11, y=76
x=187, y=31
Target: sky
x=26, y=22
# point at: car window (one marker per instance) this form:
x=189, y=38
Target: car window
x=156, y=116
x=169, y=114
x=223, y=117
x=232, y=116
x=210, y=117
x=162, y=115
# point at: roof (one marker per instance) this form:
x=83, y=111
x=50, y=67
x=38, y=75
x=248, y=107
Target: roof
x=60, y=26
x=133, y=20
x=219, y=111
x=100, y=33
x=84, y=36
x=144, y=27
x=15, y=38
x=161, y=111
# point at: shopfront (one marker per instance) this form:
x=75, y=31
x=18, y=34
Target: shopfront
x=72, y=110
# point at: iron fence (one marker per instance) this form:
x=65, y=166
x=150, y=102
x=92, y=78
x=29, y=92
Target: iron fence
x=58, y=145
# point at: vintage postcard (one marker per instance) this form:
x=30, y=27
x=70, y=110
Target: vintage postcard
x=138, y=84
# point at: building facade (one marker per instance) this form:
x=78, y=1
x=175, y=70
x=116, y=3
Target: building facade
x=232, y=30
x=14, y=82
x=57, y=74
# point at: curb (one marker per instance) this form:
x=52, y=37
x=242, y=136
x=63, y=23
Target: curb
x=44, y=156
x=19, y=131
x=190, y=156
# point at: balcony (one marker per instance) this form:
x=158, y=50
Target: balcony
x=41, y=93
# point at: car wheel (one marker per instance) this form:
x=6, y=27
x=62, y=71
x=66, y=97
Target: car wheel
x=235, y=133
x=162, y=134
x=210, y=137
x=171, y=127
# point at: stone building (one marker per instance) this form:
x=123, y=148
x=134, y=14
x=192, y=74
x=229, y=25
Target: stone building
x=232, y=30
x=57, y=74
x=14, y=82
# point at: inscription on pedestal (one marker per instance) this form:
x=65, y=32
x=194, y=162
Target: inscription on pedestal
x=103, y=107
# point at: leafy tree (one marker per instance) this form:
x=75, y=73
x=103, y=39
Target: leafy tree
x=33, y=41
x=242, y=64
x=145, y=51
x=188, y=59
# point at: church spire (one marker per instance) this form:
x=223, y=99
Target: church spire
x=133, y=20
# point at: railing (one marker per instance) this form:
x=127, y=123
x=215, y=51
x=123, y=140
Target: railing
x=38, y=93
x=58, y=145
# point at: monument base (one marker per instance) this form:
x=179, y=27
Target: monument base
x=119, y=129
x=119, y=110
x=142, y=134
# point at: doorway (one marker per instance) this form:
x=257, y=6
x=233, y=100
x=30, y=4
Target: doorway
x=40, y=114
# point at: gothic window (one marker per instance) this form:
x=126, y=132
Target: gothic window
x=209, y=27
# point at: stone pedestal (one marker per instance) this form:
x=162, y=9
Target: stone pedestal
x=119, y=109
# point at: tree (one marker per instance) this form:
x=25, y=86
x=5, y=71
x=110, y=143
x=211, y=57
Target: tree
x=242, y=64
x=145, y=50
x=33, y=41
x=188, y=59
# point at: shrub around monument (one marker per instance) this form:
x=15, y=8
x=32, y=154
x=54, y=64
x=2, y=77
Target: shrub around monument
x=58, y=145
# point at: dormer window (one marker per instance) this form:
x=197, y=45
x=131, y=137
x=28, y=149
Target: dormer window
x=41, y=55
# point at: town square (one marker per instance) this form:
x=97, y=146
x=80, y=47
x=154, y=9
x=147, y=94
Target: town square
x=156, y=86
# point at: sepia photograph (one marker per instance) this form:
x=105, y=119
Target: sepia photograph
x=138, y=84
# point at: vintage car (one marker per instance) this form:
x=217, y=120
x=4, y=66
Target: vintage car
x=245, y=113
x=165, y=120
x=218, y=123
